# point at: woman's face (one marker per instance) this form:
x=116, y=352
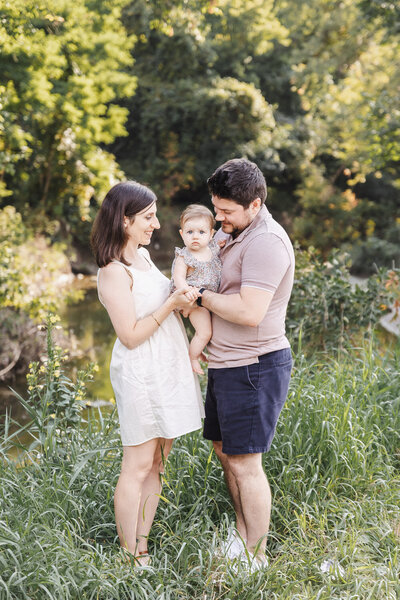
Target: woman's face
x=141, y=228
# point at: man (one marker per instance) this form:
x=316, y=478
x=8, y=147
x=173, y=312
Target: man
x=249, y=354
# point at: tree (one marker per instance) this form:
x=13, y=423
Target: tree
x=345, y=73
x=197, y=103
x=63, y=66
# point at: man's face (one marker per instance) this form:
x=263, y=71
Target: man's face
x=234, y=218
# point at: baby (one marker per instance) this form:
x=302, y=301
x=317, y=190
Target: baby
x=197, y=264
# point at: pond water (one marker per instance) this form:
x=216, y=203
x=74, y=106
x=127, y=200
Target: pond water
x=90, y=327
x=91, y=337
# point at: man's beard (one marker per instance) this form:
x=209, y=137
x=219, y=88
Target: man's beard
x=236, y=231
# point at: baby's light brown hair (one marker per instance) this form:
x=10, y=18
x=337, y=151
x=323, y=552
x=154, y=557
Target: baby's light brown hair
x=194, y=211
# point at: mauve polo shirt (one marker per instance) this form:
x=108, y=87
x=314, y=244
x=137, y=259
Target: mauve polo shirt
x=261, y=257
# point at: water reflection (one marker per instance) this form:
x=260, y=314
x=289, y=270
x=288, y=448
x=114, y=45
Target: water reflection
x=91, y=337
x=89, y=326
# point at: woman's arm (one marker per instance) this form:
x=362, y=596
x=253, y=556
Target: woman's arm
x=114, y=288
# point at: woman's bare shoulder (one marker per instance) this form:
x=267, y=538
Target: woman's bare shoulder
x=113, y=272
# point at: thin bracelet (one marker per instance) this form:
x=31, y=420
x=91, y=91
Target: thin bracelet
x=156, y=320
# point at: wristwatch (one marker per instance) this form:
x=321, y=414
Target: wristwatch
x=201, y=290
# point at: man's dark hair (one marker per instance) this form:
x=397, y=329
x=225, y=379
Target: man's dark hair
x=239, y=180
x=109, y=237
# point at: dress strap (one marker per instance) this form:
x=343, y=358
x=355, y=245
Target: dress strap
x=188, y=258
x=118, y=262
x=98, y=291
x=178, y=252
x=214, y=247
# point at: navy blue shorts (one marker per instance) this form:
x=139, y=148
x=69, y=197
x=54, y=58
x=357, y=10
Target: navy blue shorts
x=243, y=403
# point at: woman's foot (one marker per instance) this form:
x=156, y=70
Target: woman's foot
x=143, y=559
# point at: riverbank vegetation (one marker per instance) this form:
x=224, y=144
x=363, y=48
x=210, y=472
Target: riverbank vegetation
x=333, y=468
x=35, y=278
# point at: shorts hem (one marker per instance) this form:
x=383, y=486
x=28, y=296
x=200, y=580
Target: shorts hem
x=225, y=450
x=212, y=438
x=251, y=450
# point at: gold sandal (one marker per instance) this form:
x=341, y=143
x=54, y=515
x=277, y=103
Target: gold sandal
x=143, y=555
x=134, y=560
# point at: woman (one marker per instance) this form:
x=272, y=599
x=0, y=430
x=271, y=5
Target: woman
x=158, y=397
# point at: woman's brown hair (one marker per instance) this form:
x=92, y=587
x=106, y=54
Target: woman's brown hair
x=109, y=238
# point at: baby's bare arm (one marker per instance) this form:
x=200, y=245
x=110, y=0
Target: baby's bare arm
x=180, y=273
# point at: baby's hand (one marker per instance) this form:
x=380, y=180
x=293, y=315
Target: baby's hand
x=221, y=243
x=191, y=294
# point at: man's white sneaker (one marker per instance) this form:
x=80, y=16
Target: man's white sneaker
x=246, y=564
x=252, y=563
x=233, y=546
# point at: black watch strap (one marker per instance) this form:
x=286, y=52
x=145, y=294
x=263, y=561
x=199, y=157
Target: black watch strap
x=201, y=290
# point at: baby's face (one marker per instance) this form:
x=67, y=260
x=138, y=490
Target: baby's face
x=196, y=233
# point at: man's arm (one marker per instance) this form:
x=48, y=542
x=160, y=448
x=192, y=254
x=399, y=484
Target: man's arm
x=249, y=307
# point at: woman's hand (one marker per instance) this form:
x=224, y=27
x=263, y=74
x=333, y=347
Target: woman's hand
x=184, y=298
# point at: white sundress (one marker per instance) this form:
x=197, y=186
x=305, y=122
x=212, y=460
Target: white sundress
x=156, y=391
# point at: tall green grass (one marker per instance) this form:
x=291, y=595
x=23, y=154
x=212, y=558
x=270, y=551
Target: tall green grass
x=334, y=474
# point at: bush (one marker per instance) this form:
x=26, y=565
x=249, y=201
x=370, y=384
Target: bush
x=375, y=253
x=32, y=272
x=34, y=278
x=325, y=309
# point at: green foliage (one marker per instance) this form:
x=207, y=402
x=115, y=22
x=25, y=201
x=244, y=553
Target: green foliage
x=53, y=399
x=307, y=90
x=389, y=12
x=31, y=271
x=325, y=309
x=197, y=103
x=242, y=32
x=35, y=278
x=333, y=473
x=62, y=68
x=374, y=252
x=175, y=145
x=344, y=72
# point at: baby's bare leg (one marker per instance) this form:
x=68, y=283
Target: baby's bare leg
x=200, y=318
